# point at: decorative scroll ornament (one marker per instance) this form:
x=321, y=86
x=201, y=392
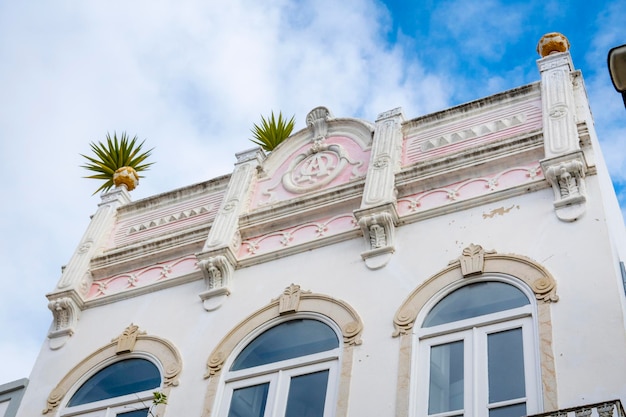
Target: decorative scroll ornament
x=126, y=341
x=545, y=289
x=378, y=226
x=218, y=272
x=606, y=410
x=566, y=175
x=584, y=412
x=65, y=314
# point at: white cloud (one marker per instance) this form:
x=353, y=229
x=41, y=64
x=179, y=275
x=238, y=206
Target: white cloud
x=607, y=106
x=190, y=77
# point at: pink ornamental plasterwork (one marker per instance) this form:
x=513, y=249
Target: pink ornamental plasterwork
x=464, y=190
x=320, y=165
x=297, y=235
x=455, y=136
x=142, y=277
x=168, y=219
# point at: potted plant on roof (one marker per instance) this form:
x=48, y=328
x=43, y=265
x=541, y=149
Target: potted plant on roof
x=117, y=162
x=272, y=131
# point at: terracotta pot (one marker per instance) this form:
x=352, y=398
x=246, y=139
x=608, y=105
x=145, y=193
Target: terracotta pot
x=127, y=176
x=551, y=43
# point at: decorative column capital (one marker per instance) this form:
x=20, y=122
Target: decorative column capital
x=254, y=154
x=117, y=196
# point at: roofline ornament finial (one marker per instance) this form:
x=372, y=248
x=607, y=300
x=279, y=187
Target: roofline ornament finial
x=551, y=43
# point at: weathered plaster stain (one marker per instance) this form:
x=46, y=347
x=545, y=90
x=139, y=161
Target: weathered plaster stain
x=499, y=211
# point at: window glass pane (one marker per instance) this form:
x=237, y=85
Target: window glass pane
x=121, y=378
x=307, y=395
x=445, y=392
x=135, y=413
x=287, y=340
x=249, y=401
x=475, y=300
x=506, y=365
x=517, y=410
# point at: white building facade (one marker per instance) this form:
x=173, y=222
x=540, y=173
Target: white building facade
x=467, y=262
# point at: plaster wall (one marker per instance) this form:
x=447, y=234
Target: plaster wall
x=515, y=173
x=587, y=321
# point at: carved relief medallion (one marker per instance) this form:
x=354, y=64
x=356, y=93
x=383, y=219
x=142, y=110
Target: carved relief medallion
x=317, y=167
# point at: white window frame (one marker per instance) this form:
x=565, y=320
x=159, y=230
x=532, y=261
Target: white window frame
x=111, y=407
x=279, y=374
x=474, y=332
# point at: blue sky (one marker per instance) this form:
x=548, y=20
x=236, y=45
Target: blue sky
x=192, y=76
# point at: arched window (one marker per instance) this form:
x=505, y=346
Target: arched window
x=287, y=370
x=476, y=353
x=122, y=389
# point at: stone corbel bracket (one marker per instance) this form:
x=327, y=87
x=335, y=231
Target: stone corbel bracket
x=566, y=175
x=218, y=268
x=378, y=225
x=65, y=312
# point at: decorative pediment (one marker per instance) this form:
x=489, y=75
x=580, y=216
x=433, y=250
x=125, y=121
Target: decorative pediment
x=328, y=153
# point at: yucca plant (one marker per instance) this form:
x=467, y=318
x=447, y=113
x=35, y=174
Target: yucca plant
x=272, y=131
x=117, y=161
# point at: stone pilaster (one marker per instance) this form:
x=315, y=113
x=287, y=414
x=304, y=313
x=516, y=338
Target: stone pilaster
x=377, y=215
x=217, y=259
x=66, y=300
x=564, y=165
x=558, y=106
x=385, y=160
